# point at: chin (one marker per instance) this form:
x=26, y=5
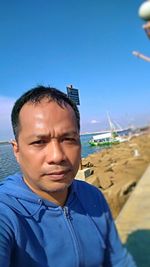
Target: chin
x=59, y=188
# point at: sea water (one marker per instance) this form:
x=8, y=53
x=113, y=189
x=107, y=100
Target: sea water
x=8, y=164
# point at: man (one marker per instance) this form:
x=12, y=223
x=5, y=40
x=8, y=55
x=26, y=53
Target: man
x=48, y=219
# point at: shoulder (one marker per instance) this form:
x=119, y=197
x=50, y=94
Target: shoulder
x=84, y=187
x=8, y=183
x=90, y=196
x=8, y=218
x=5, y=205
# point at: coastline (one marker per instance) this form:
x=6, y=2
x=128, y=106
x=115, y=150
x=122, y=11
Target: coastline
x=117, y=170
x=4, y=142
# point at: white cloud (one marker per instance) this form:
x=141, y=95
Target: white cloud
x=94, y=121
x=6, y=104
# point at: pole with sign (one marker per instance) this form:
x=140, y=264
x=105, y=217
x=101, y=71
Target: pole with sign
x=73, y=94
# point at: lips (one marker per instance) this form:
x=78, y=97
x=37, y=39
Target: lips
x=58, y=172
x=57, y=175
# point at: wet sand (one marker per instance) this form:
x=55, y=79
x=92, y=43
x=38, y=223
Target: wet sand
x=117, y=170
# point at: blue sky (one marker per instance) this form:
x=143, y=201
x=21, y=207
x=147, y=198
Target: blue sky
x=86, y=43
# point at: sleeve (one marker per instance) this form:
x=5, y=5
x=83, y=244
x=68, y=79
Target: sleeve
x=6, y=240
x=116, y=255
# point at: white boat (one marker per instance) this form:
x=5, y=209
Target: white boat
x=104, y=139
x=112, y=137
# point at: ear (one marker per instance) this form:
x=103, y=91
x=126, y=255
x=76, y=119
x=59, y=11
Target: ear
x=15, y=146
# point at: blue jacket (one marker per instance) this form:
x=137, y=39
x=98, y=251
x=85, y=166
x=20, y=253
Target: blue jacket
x=37, y=233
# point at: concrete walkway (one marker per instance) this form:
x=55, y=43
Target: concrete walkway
x=133, y=222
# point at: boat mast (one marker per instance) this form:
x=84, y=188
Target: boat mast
x=112, y=126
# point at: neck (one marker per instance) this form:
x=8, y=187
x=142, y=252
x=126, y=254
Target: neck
x=59, y=198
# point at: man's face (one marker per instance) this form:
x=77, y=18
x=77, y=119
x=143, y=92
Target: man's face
x=48, y=148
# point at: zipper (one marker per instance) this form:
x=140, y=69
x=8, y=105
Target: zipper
x=66, y=213
x=73, y=234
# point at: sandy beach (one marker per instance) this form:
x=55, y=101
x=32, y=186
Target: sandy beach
x=117, y=170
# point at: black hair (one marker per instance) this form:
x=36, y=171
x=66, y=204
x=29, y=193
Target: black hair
x=35, y=95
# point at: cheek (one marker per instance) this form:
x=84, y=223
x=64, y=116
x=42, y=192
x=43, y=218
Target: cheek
x=30, y=166
x=75, y=156
x=29, y=159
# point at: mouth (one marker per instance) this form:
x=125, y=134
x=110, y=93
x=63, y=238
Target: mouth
x=57, y=175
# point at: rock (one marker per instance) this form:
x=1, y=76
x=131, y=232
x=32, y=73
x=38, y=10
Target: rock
x=93, y=180
x=127, y=188
x=110, y=169
x=104, y=182
x=117, y=170
x=87, y=164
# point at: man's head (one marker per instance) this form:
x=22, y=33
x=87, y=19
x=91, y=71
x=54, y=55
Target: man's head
x=47, y=146
x=34, y=96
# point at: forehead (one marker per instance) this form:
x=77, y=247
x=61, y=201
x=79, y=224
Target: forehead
x=46, y=112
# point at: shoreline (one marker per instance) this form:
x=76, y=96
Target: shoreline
x=117, y=170
x=4, y=142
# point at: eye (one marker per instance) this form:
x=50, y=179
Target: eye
x=38, y=142
x=70, y=140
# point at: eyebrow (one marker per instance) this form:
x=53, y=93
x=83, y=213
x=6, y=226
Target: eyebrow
x=39, y=136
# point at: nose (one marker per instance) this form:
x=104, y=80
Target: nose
x=55, y=153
